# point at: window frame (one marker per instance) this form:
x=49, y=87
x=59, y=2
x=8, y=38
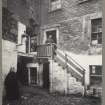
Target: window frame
x=87, y=25
x=99, y=76
x=50, y=8
x=30, y=39
x=96, y=33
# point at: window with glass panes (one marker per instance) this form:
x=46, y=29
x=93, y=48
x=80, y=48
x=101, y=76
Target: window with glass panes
x=96, y=31
x=95, y=75
x=55, y=5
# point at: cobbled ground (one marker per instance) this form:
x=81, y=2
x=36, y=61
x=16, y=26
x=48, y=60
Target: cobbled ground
x=38, y=96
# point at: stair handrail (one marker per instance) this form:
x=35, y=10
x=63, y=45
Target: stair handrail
x=75, y=62
x=68, y=56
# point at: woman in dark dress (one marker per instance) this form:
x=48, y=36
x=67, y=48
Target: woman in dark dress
x=11, y=86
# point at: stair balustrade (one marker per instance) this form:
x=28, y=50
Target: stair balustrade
x=45, y=51
x=69, y=62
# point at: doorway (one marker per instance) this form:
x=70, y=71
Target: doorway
x=33, y=76
x=46, y=75
x=22, y=70
x=53, y=33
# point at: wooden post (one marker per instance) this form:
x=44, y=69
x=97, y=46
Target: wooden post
x=51, y=74
x=29, y=79
x=85, y=87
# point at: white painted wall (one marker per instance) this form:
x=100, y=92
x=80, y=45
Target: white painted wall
x=85, y=61
x=9, y=57
x=21, y=29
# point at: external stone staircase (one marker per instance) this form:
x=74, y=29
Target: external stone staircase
x=68, y=75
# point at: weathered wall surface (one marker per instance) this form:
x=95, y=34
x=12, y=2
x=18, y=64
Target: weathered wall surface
x=74, y=24
x=9, y=56
x=22, y=10
x=25, y=9
x=69, y=10
x=62, y=82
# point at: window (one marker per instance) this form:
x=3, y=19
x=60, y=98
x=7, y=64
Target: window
x=95, y=75
x=33, y=44
x=96, y=31
x=55, y=5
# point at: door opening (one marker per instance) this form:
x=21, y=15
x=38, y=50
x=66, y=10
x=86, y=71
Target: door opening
x=46, y=75
x=33, y=76
x=53, y=33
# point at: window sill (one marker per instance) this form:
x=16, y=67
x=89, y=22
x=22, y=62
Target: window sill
x=50, y=11
x=96, y=45
x=82, y=1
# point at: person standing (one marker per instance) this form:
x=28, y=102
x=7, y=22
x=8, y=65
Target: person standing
x=11, y=85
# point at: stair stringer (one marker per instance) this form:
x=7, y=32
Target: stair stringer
x=64, y=82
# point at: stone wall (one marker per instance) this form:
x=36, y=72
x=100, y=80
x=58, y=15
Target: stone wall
x=74, y=24
x=70, y=9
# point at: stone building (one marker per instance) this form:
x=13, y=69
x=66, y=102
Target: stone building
x=76, y=28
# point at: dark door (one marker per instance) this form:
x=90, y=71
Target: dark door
x=33, y=75
x=46, y=75
x=53, y=33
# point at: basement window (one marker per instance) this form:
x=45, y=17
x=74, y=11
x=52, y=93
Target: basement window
x=95, y=75
x=55, y=5
x=96, y=31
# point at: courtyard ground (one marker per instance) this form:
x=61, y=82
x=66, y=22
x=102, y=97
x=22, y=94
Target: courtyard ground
x=38, y=96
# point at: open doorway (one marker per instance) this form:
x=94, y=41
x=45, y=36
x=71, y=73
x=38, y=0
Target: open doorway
x=53, y=33
x=46, y=75
x=22, y=70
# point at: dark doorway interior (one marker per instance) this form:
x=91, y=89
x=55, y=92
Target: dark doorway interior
x=22, y=71
x=53, y=33
x=46, y=75
x=33, y=76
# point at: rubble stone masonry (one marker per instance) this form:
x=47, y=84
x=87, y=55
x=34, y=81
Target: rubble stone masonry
x=74, y=24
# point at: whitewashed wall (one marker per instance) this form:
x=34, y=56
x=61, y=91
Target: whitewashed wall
x=9, y=56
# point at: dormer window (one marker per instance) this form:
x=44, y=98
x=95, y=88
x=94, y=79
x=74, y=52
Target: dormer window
x=55, y=5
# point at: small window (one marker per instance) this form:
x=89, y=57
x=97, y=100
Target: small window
x=55, y=5
x=95, y=75
x=96, y=31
